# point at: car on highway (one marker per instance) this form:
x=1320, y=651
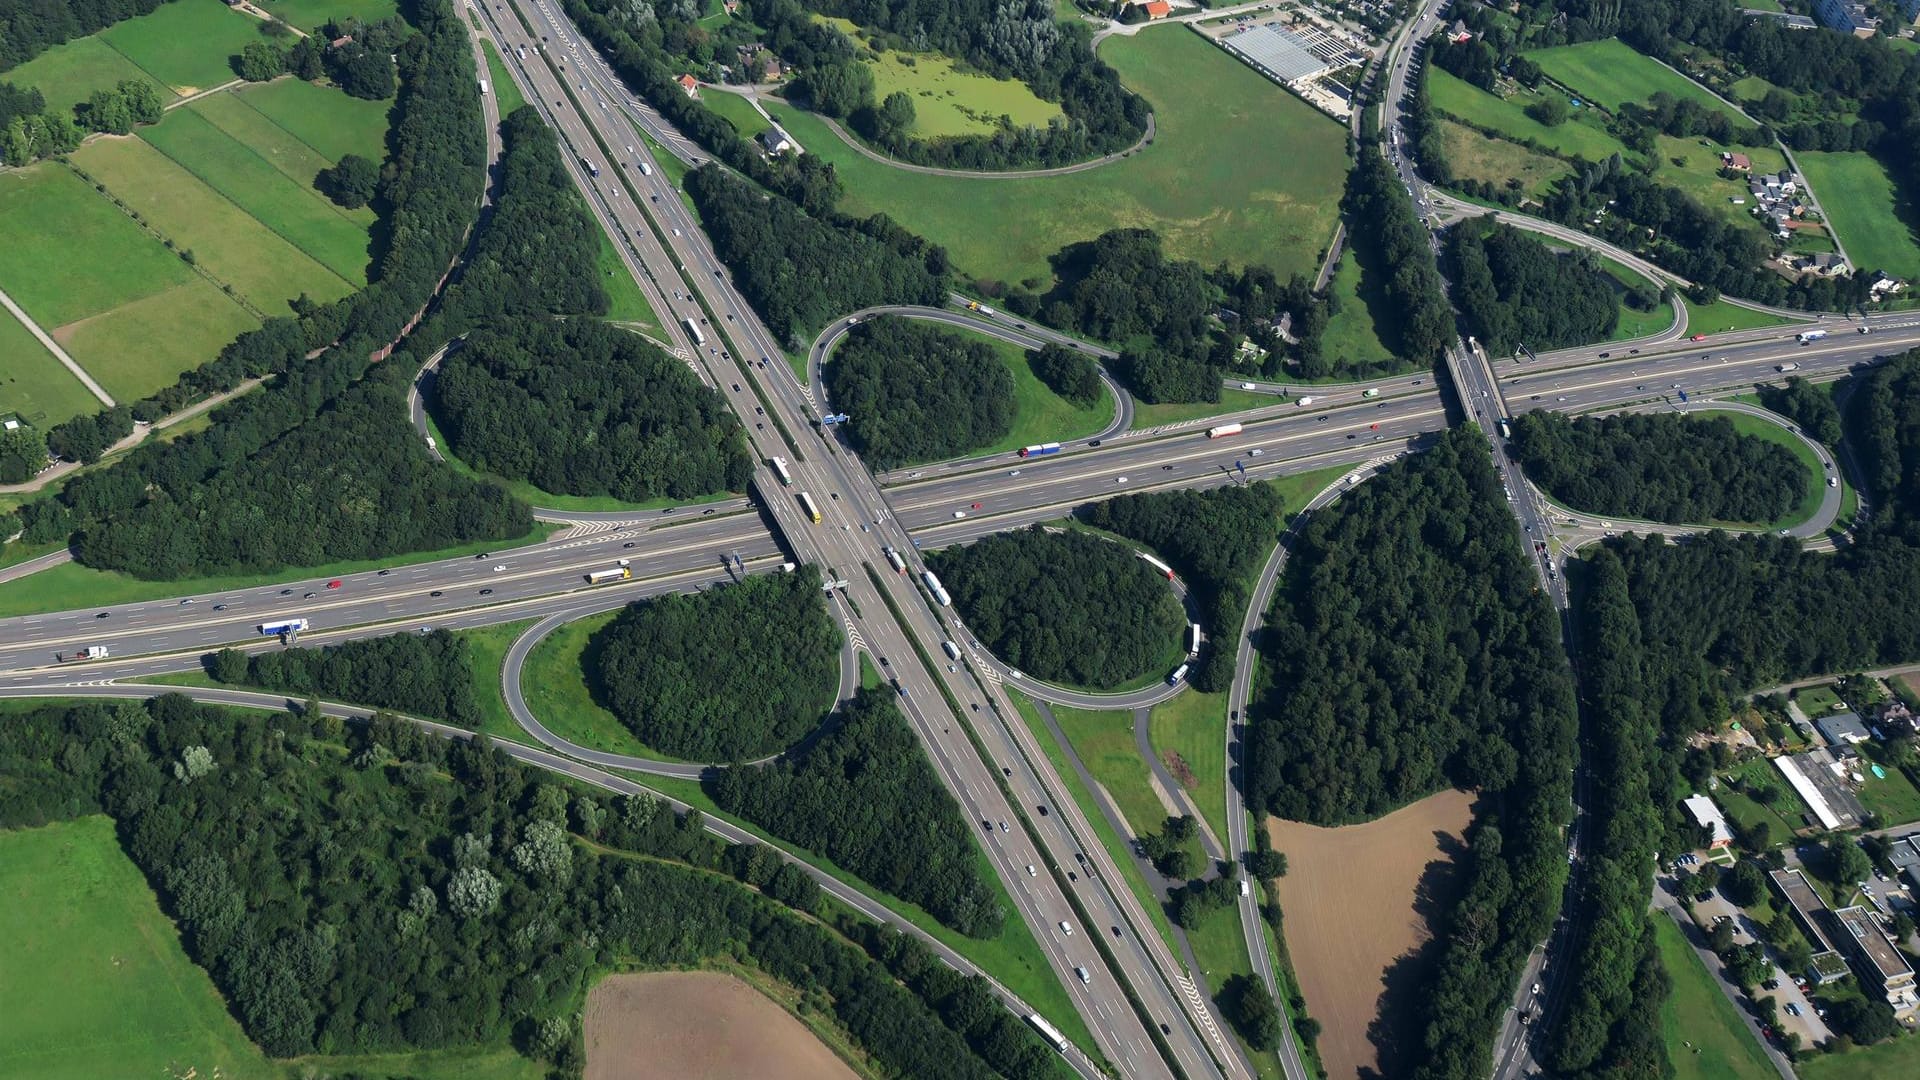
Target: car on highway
x=628, y=544
x=1119, y=479
x=486, y=592
x=306, y=596
x=103, y=615
x=1031, y=872
x=1066, y=928
x=286, y=592
x=219, y=607
x=383, y=573
x=958, y=514
x=436, y=592
x=497, y=567
x=1166, y=468
x=976, y=506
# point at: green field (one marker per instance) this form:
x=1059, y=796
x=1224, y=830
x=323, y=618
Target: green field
x=1193, y=728
x=1352, y=335
x=1040, y=415
x=138, y=348
x=298, y=213
x=34, y=384
x=330, y=122
x=735, y=109
x=505, y=91
x=627, y=303
x=1892, y=797
x=72, y=585
x=1231, y=401
x=70, y=253
x=1858, y=195
x=235, y=115
x=185, y=44
x=1721, y=317
x=1705, y=1037
x=68, y=74
x=1473, y=156
x=555, y=684
x=1897, y=1059
x=309, y=14
x=1245, y=173
x=1610, y=74
x=112, y=993
x=1700, y=176
x=1577, y=137
x=949, y=101
x=1104, y=741
x=240, y=251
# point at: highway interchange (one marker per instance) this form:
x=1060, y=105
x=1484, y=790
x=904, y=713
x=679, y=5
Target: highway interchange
x=1170, y=1029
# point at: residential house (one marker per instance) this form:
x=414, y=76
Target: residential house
x=1829, y=264
x=1736, y=162
x=1846, y=16
x=775, y=141
x=1458, y=32
x=1881, y=287
x=1708, y=817
x=1156, y=9
x=691, y=85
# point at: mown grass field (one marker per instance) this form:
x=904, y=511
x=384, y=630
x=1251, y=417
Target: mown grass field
x=1352, y=335
x=1697, y=1016
x=947, y=98
x=1700, y=176
x=1040, y=415
x=626, y=302
x=505, y=90
x=298, y=213
x=1244, y=173
x=1473, y=156
x=1190, y=735
x=68, y=74
x=1898, y=1059
x=35, y=385
x=71, y=253
x=140, y=347
x=330, y=122
x=1610, y=73
x=1147, y=416
x=1574, y=138
x=309, y=14
x=107, y=990
x=233, y=246
x=555, y=684
x=1858, y=195
x=736, y=110
x=186, y=44
x=277, y=146
x=1104, y=741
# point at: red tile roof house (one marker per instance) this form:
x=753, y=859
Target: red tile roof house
x=691, y=85
x=1157, y=9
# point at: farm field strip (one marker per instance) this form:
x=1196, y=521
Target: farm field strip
x=261, y=266
x=33, y=383
x=1611, y=73
x=299, y=214
x=330, y=122
x=1859, y=197
x=70, y=253
x=140, y=347
x=185, y=44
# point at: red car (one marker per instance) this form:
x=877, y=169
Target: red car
x=976, y=506
x=1375, y=427
x=334, y=584
x=1698, y=337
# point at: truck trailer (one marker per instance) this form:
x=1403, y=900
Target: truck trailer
x=91, y=652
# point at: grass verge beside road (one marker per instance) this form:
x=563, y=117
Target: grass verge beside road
x=72, y=585
x=555, y=682
x=1705, y=1037
x=1189, y=733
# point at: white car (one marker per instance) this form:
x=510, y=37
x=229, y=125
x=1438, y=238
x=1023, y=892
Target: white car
x=1255, y=452
x=1065, y=928
x=958, y=514
x=1119, y=479
x=499, y=567
x=1031, y=872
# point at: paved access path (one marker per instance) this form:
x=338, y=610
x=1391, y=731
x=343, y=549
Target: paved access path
x=53, y=347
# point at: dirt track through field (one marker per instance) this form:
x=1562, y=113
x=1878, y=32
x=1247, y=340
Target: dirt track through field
x=1356, y=901
x=697, y=1025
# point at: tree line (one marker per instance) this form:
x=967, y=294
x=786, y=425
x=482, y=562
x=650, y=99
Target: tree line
x=799, y=271
x=865, y=796
x=1066, y=607
x=451, y=902
x=1387, y=233
x=427, y=675
x=437, y=148
x=1069, y=373
x=1217, y=541
x=725, y=675
x=1409, y=652
x=1021, y=41
x=1513, y=290
x=583, y=408
x=360, y=64
x=918, y=393
x=1660, y=467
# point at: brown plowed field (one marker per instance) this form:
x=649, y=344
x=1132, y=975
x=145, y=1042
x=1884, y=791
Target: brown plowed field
x=1355, y=899
x=697, y=1025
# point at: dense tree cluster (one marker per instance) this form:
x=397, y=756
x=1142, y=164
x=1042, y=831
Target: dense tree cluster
x=1410, y=651
x=645, y=52
x=23, y=452
x=116, y=111
x=1069, y=373
x=1406, y=647
x=28, y=131
x=725, y=675
x=34, y=26
x=583, y=408
x=1386, y=230
x=1216, y=540
x=428, y=675
x=1611, y=1022
x=800, y=272
x=437, y=148
x=354, y=482
x=1066, y=607
x=1514, y=290
x=1021, y=40
x=1808, y=405
x=1660, y=467
x=351, y=182
x=400, y=892
x=918, y=393
x=865, y=796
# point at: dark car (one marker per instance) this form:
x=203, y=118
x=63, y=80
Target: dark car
x=628, y=544
x=383, y=573
x=486, y=592
x=219, y=607
x=286, y=592
x=103, y=615
x=306, y=596
x=435, y=592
